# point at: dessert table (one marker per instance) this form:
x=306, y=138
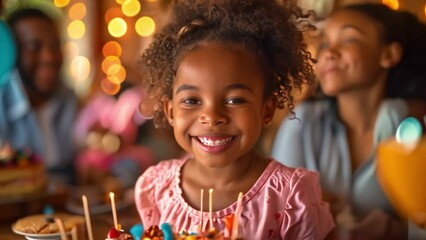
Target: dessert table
x=11, y=211
x=101, y=222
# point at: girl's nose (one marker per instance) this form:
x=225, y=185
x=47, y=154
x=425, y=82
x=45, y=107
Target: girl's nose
x=213, y=116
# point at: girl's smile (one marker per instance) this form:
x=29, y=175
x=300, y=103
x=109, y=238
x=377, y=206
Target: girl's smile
x=214, y=144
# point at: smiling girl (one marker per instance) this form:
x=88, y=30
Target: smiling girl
x=216, y=74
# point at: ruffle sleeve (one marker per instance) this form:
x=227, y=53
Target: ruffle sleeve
x=307, y=215
x=148, y=189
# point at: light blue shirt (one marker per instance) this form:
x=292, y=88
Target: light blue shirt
x=317, y=140
x=19, y=125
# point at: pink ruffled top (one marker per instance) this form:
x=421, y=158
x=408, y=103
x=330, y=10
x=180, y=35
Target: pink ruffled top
x=284, y=203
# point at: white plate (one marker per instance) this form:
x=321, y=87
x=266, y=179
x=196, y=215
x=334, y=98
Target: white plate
x=37, y=236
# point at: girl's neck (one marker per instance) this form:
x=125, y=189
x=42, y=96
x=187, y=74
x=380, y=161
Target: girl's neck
x=226, y=182
x=230, y=175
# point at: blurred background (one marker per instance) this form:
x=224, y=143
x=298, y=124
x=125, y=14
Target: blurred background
x=103, y=40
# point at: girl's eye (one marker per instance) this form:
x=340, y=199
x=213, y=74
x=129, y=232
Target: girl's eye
x=349, y=40
x=235, y=101
x=191, y=101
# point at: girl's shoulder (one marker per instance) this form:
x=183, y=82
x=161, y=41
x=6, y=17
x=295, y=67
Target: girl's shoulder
x=162, y=173
x=282, y=179
x=286, y=173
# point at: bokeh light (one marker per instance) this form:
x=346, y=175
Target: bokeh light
x=76, y=29
x=77, y=11
x=111, y=48
x=409, y=131
x=109, y=88
x=61, y=3
x=394, y=4
x=116, y=73
x=120, y=1
x=108, y=62
x=145, y=26
x=71, y=49
x=131, y=7
x=80, y=68
x=117, y=27
x=112, y=13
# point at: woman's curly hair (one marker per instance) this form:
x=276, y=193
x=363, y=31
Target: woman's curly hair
x=271, y=30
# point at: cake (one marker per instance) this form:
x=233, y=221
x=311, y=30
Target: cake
x=21, y=173
x=42, y=224
x=165, y=232
x=115, y=234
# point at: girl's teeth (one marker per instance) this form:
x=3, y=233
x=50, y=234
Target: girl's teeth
x=214, y=143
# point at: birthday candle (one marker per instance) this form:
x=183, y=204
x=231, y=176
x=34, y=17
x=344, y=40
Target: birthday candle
x=211, y=207
x=114, y=211
x=201, y=208
x=237, y=216
x=87, y=217
x=58, y=222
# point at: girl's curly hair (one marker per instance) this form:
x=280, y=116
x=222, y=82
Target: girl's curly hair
x=272, y=30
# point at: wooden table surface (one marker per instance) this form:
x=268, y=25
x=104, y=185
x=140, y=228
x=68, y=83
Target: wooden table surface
x=11, y=211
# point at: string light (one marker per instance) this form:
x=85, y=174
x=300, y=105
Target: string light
x=117, y=27
x=394, y=4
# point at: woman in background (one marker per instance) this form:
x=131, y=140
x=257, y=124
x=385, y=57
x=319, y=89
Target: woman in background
x=371, y=68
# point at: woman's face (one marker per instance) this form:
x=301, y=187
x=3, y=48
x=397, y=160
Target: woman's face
x=350, y=54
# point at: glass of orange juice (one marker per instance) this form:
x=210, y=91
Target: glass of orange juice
x=402, y=174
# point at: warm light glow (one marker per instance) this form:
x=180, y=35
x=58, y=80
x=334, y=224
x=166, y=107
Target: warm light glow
x=111, y=48
x=394, y=4
x=145, y=26
x=61, y=3
x=77, y=11
x=425, y=9
x=108, y=62
x=71, y=49
x=112, y=13
x=116, y=73
x=131, y=7
x=76, y=29
x=117, y=27
x=109, y=87
x=120, y=1
x=80, y=68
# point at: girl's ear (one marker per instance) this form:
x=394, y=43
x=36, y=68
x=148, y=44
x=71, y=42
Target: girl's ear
x=391, y=55
x=168, y=110
x=268, y=111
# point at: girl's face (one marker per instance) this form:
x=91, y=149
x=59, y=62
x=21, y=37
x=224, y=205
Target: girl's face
x=218, y=108
x=350, y=55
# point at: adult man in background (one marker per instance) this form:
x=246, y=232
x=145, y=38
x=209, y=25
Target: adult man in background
x=37, y=109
